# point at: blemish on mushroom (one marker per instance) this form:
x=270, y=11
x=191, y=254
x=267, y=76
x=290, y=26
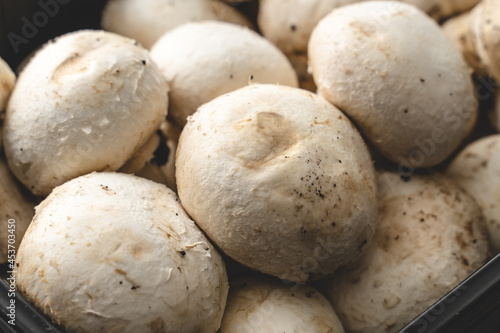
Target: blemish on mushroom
x=143, y=62
x=182, y=253
x=293, y=27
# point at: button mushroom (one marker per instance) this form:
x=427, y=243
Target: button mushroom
x=147, y=20
x=7, y=80
x=204, y=60
x=414, y=105
x=476, y=170
x=110, y=252
x=279, y=179
x=477, y=34
x=259, y=304
x=430, y=235
x=85, y=102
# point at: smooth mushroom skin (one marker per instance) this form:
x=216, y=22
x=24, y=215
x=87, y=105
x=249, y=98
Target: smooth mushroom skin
x=477, y=170
x=147, y=20
x=258, y=304
x=279, y=179
x=17, y=207
x=85, y=102
x=7, y=81
x=203, y=60
x=413, y=101
x=430, y=235
x=110, y=252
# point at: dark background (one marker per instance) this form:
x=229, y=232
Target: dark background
x=18, y=38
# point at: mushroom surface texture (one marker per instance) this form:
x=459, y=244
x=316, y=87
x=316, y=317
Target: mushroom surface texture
x=203, y=60
x=265, y=305
x=111, y=252
x=430, y=236
x=440, y=9
x=17, y=207
x=413, y=101
x=148, y=20
x=477, y=170
x=7, y=81
x=279, y=179
x=477, y=34
x=85, y=102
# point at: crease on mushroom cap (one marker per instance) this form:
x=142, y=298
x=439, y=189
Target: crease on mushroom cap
x=147, y=20
x=429, y=237
x=17, y=207
x=475, y=169
x=203, y=60
x=85, y=102
x=279, y=179
x=414, y=105
x=115, y=252
x=262, y=304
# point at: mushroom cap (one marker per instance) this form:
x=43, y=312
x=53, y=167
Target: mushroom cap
x=279, y=179
x=16, y=203
x=203, y=60
x=485, y=28
x=440, y=9
x=257, y=304
x=477, y=170
x=147, y=20
x=7, y=81
x=413, y=101
x=288, y=24
x=110, y=252
x=430, y=235
x=85, y=102
x=458, y=29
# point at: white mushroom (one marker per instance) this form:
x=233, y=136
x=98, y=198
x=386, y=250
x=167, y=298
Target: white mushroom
x=279, y=179
x=430, y=235
x=477, y=170
x=414, y=101
x=110, y=252
x=440, y=9
x=17, y=208
x=258, y=304
x=148, y=20
x=477, y=34
x=203, y=60
x=85, y=102
x=142, y=155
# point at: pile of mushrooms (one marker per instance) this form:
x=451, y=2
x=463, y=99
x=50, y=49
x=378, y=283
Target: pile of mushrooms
x=253, y=166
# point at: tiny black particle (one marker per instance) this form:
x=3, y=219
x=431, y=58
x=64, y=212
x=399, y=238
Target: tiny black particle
x=422, y=80
x=182, y=253
x=333, y=224
x=143, y=62
x=293, y=27
x=251, y=77
x=134, y=287
x=121, y=282
x=231, y=76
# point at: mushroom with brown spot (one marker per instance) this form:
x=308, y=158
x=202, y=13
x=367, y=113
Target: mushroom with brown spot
x=259, y=171
x=422, y=248
x=476, y=170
